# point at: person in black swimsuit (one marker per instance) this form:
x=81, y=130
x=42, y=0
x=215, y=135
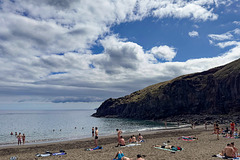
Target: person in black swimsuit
x=96, y=136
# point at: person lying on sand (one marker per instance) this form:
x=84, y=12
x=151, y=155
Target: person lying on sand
x=120, y=156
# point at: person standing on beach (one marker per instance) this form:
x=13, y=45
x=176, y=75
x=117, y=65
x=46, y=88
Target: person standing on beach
x=23, y=138
x=119, y=132
x=92, y=131
x=217, y=131
x=19, y=137
x=232, y=126
x=96, y=136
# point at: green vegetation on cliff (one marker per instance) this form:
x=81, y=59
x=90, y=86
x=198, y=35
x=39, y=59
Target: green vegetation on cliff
x=216, y=91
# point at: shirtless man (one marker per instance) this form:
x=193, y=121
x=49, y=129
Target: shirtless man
x=235, y=149
x=228, y=151
x=121, y=142
x=96, y=136
x=19, y=137
x=119, y=132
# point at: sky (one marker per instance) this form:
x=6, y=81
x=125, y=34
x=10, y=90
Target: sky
x=73, y=52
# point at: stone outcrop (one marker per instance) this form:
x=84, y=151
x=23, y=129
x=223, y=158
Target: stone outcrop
x=212, y=92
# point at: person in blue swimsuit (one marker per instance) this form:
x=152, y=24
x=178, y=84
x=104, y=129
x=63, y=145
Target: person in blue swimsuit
x=120, y=156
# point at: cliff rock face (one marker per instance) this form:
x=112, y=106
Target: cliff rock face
x=212, y=92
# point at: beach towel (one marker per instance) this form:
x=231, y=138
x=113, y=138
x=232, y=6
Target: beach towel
x=188, y=138
x=131, y=145
x=223, y=157
x=165, y=149
x=59, y=153
x=92, y=149
x=43, y=155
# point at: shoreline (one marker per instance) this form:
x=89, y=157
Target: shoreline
x=46, y=142
x=103, y=140
x=203, y=148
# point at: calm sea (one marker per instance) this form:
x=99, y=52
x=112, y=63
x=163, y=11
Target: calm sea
x=38, y=126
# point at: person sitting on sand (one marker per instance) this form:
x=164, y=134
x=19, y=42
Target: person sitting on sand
x=139, y=157
x=134, y=140
x=140, y=138
x=120, y=156
x=228, y=151
x=235, y=149
x=130, y=140
x=121, y=141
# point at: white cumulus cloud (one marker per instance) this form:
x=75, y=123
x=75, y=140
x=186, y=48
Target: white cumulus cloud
x=163, y=52
x=193, y=34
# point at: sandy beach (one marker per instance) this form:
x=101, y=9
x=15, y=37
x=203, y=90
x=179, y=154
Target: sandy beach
x=204, y=148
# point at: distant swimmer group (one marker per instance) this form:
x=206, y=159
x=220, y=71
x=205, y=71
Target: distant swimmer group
x=21, y=138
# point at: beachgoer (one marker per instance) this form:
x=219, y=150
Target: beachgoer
x=16, y=134
x=217, y=131
x=214, y=128
x=120, y=156
x=232, y=126
x=235, y=133
x=139, y=157
x=134, y=140
x=221, y=131
x=140, y=137
x=206, y=125
x=23, y=138
x=130, y=140
x=96, y=136
x=19, y=137
x=119, y=132
x=11, y=133
x=121, y=142
x=235, y=149
x=92, y=131
x=228, y=151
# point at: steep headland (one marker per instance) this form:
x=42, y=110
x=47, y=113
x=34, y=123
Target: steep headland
x=212, y=92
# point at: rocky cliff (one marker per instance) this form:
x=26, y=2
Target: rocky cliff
x=212, y=92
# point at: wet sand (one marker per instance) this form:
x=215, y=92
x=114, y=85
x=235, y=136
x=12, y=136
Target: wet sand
x=201, y=149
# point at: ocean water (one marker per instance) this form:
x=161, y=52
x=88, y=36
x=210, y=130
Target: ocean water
x=38, y=126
